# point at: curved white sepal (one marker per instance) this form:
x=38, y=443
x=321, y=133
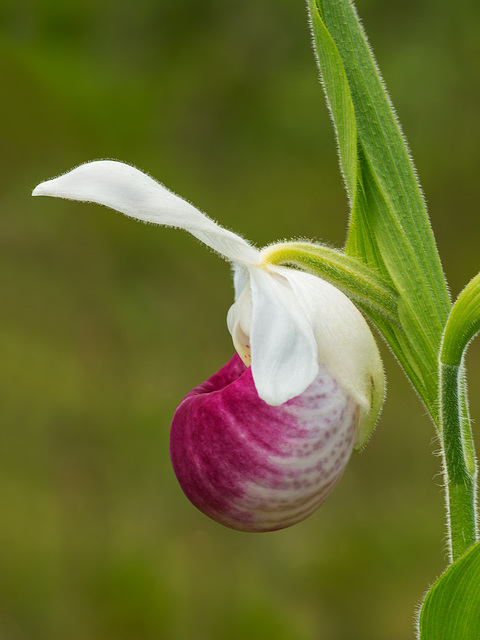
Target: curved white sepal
x=345, y=344
x=128, y=190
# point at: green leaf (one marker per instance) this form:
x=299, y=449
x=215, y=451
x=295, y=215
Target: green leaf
x=451, y=609
x=389, y=229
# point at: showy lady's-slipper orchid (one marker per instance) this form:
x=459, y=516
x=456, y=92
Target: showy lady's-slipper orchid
x=262, y=443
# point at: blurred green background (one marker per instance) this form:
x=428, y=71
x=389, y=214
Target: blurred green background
x=106, y=323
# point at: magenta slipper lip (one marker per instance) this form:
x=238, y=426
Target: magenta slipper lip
x=255, y=467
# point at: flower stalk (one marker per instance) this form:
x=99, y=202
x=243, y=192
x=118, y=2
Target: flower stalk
x=459, y=461
x=458, y=450
x=361, y=284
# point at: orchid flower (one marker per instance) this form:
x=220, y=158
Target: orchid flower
x=262, y=443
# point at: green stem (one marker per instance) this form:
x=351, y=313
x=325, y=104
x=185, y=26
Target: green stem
x=459, y=460
x=360, y=283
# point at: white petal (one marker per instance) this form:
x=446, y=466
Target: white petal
x=345, y=344
x=240, y=279
x=126, y=189
x=239, y=322
x=283, y=347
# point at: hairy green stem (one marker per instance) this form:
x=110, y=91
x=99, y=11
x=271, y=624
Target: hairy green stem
x=459, y=461
x=363, y=285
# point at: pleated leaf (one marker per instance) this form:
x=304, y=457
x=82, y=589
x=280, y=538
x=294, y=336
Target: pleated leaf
x=451, y=610
x=389, y=229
